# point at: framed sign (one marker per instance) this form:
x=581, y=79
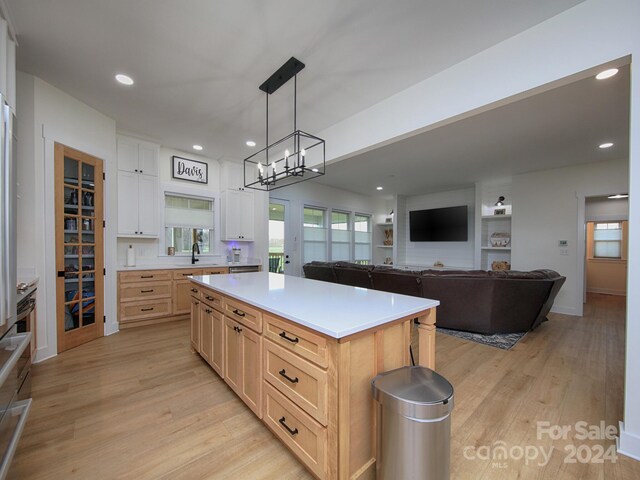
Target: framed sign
x=190, y=170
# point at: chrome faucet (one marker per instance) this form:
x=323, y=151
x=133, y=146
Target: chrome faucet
x=194, y=249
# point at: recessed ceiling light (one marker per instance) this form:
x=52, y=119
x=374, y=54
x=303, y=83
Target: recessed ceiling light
x=607, y=73
x=606, y=145
x=314, y=170
x=378, y=188
x=124, y=79
x=618, y=195
x=273, y=208
x=197, y=147
x=250, y=143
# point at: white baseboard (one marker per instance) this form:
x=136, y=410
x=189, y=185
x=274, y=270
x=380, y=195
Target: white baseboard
x=607, y=291
x=565, y=310
x=628, y=444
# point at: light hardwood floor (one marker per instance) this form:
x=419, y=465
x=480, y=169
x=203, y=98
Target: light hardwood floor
x=140, y=405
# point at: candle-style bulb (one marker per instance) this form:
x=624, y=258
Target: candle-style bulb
x=273, y=165
x=303, y=153
x=286, y=160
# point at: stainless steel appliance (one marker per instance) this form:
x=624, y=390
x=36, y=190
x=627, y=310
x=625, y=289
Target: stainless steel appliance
x=14, y=362
x=244, y=268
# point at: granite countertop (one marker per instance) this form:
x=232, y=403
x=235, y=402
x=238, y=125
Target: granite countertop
x=329, y=308
x=155, y=266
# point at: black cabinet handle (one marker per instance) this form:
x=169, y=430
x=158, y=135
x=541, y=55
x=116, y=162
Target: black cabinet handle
x=282, y=422
x=207, y=310
x=284, y=374
x=208, y=297
x=146, y=309
x=146, y=276
x=240, y=313
x=292, y=340
x=186, y=274
x=197, y=303
x=194, y=290
x=146, y=291
x=237, y=329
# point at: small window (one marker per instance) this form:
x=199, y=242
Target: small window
x=314, y=234
x=340, y=236
x=362, y=239
x=607, y=240
x=188, y=220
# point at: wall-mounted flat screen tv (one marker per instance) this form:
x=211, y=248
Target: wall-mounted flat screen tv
x=439, y=225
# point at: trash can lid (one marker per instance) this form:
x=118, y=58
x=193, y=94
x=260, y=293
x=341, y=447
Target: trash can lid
x=417, y=392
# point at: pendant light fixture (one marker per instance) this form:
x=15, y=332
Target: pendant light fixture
x=294, y=158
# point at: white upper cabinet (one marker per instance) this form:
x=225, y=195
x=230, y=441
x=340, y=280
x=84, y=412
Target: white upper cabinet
x=232, y=177
x=137, y=188
x=138, y=156
x=237, y=222
x=7, y=65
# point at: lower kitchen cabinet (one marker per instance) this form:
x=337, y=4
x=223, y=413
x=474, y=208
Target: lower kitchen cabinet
x=195, y=324
x=242, y=363
x=211, y=337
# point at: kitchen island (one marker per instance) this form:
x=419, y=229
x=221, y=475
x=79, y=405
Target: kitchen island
x=301, y=354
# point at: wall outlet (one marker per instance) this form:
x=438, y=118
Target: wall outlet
x=564, y=251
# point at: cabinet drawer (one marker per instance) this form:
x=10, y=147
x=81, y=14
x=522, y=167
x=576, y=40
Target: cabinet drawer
x=304, y=436
x=215, y=270
x=195, y=289
x=144, y=291
x=303, y=342
x=243, y=313
x=141, y=310
x=302, y=382
x=145, y=276
x=211, y=298
x=186, y=272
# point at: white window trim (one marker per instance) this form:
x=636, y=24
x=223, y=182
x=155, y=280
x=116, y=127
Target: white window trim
x=174, y=188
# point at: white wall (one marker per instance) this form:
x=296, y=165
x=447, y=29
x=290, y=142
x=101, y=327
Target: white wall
x=546, y=211
x=313, y=194
x=425, y=254
x=154, y=252
x=564, y=48
x=600, y=209
x=50, y=115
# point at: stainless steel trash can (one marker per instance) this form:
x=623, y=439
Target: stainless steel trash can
x=414, y=424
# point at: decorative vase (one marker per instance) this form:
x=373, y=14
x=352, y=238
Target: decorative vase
x=388, y=236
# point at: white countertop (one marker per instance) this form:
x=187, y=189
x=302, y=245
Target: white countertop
x=156, y=266
x=329, y=308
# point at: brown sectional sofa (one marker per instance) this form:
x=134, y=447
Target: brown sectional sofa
x=470, y=300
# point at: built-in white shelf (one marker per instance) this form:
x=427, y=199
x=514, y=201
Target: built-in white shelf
x=384, y=246
x=495, y=217
x=507, y=249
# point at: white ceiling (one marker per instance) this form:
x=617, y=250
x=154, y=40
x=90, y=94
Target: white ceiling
x=198, y=63
x=559, y=127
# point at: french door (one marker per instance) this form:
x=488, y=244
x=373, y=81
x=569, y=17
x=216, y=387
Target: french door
x=79, y=247
x=280, y=237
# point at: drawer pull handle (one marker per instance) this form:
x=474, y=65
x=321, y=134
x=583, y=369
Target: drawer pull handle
x=186, y=274
x=207, y=310
x=194, y=290
x=292, y=340
x=146, y=309
x=209, y=298
x=197, y=303
x=282, y=422
x=284, y=374
x=146, y=291
x=146, y=276
x=240, y=313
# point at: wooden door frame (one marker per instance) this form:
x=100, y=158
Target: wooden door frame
x=83, y=335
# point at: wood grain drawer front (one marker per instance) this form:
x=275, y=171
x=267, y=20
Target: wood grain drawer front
x=243, y=313
x=211, y=298
x=303, y=342
x=195, y=289
x=302, y=382
x=215, y=270
x=304, y=436
x=132, y=311
x=144, y=291
x=145, y=276
x=186, y=272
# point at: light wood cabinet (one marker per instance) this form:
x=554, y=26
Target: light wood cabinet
x=237, y=222
x=153, y=296
x=313, y=391
x=206, y=332
x=242, y=360
x=195, y=324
